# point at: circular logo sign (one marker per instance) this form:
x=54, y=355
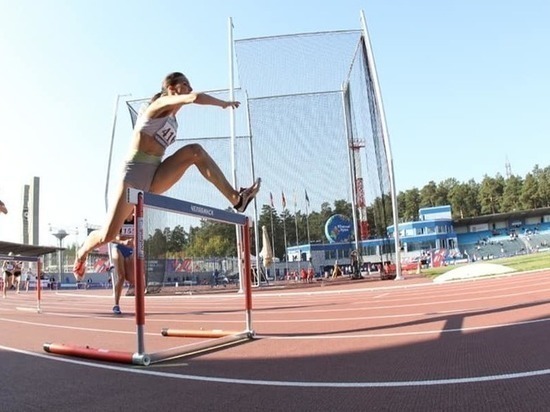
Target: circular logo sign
x=338, y=229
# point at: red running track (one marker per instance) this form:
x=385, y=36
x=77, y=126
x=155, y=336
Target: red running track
x=352, y=346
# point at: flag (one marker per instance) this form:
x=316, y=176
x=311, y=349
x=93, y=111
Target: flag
x=307, y=198
x=284, y=200
x=271, y=199
x=295, y=202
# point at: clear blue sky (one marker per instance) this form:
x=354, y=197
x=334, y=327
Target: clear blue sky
x=464, y=83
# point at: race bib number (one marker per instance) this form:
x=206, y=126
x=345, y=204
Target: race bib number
x=167, y=134
x=127, y=230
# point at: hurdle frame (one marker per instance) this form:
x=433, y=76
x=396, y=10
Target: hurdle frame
x=38, y=261
x=216, y=339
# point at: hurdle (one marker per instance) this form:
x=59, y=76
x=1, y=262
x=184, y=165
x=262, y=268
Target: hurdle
x=38, y=271
x=215, y=339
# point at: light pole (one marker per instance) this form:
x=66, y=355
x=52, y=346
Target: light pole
x=60, y=234
x=113, y=130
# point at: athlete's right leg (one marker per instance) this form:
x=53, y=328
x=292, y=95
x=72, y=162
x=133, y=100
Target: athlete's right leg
x=173, y=167
x=115, y=219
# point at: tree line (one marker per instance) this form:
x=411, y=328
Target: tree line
x=467, y=199
x=493, y=195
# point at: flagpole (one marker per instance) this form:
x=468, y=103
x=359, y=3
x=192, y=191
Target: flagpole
x=297, y=240
x=272, y=234
x=284, y=235
x=307, y=225
x=296, y=220
x=284, y=232
x=307, y=219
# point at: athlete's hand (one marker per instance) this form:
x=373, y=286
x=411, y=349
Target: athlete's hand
x=234, y=105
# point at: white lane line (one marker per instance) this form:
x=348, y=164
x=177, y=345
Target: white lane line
x=314, y=336
x=50, y=326
x=295, y=384
x=355, y=308
x=520, y=276
x=321, y=336
x=380, y=296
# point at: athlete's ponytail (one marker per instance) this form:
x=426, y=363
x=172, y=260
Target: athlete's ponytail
x=155, y=97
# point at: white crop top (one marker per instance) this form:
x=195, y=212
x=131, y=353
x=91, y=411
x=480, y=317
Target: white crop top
x=162, y=129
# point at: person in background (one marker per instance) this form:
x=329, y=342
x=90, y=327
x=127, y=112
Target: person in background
x=123, y=257
x=8, y=268
x=336, y=271
x=26, y=278
x=17, y=276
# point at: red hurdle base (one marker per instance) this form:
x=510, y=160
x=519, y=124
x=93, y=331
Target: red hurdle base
x=98, y=354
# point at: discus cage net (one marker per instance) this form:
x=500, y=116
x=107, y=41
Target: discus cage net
x=309, y=121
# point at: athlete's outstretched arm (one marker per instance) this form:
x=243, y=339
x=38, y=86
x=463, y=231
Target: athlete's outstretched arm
x=171, y=102
x=203, y=98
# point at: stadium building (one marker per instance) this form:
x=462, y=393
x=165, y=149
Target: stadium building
x=438, y=240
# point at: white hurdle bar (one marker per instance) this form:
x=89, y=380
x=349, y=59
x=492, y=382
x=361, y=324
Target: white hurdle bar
x=219, y=339
x=38, y=271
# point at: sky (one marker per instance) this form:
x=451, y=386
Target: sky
x=464, y=85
